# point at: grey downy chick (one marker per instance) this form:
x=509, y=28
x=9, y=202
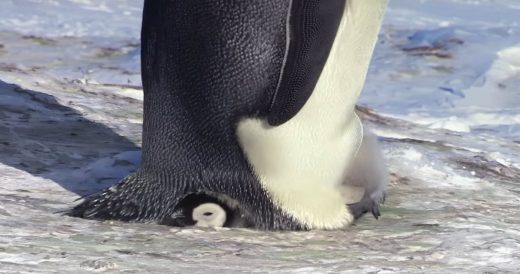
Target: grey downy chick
x=365, y=186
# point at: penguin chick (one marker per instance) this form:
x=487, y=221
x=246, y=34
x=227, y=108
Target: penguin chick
x=209, y=215
x=365, y=186
x=208, y=210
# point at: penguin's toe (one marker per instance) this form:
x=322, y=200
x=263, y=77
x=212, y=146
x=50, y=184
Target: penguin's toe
x=375, y=211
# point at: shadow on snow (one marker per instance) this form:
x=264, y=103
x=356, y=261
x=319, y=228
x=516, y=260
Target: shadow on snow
x=49, y=140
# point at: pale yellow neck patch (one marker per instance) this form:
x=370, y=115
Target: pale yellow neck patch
x=302, y=163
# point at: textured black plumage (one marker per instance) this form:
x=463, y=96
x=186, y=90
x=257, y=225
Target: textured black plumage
x=312, y=28
x=206, y=64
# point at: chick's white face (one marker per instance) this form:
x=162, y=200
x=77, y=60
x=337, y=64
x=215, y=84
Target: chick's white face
x=209, y=215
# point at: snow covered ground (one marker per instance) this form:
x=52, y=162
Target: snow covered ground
x=443, y=93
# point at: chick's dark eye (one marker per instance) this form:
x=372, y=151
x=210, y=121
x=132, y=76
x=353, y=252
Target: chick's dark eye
x=208, y=213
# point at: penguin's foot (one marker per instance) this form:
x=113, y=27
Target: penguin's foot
x=368, y=203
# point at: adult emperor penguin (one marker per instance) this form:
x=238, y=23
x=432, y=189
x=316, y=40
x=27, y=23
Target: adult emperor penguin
x=250, y=103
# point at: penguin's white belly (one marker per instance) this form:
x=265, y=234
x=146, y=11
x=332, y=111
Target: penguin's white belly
x=302, y=163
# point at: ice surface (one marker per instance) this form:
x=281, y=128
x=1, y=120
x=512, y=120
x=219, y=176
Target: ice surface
x=457, y=67
x=443, y=94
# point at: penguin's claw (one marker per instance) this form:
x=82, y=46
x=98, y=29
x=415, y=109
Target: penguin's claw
x=375, y=212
